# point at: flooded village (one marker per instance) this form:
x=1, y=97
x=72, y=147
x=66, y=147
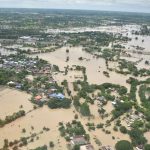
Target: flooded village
x=83, y=86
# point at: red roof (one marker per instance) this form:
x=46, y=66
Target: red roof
x=37, y=98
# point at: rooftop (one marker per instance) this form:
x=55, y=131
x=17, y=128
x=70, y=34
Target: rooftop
x=78, y=140
x=37, y=98
x=87, y=147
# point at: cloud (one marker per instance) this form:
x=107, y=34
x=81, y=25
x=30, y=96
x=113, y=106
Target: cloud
x=124, y=5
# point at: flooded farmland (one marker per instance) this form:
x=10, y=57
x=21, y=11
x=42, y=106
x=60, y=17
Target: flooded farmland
x=94, y=66
x=12, y=101
x=68, y=78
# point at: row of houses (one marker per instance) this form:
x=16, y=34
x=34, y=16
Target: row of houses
x=29, y=65
x=40, y=98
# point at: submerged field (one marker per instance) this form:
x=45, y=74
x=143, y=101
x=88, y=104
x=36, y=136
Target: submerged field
x=44, y=117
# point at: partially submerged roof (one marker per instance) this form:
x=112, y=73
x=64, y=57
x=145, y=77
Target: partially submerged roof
x=87, y=147
x=78, y=140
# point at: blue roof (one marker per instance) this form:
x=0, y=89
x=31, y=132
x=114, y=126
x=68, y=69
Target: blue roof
x=55, y=95
x=18, y=86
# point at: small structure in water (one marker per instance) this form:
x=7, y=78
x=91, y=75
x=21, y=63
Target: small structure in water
x=87, y=147
x=55, y=95
x=78, y=140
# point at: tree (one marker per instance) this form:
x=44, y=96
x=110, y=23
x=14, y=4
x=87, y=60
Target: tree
x=6, y=143
x=84, y=109
x=57, y=103
x=137, y=137
x=41, y=148
x=23, y=130
x=24, y=141
x=123, y=145
x=51, y=144
x=67, y=50
x=76, y=147
x=123, y=129
x=147, y=147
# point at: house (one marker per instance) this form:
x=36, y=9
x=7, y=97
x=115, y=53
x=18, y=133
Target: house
x=11, y=83
x=140, y=147
x=78, y=140
x=38, y=98
x=114, y=103
x=25, y=37
x=18, y=86
x=53, y=89
x=106, y=148
x=101, y=98
x=50, y=91
x=87, y=147
x=55, y=95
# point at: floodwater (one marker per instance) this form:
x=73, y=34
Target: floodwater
x=11, y=100
x=45, y=117
x=94, y=66
x=110, y=29
x=39, y=118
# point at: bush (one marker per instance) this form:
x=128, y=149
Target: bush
x=84, y=109
x=137, y=137
x=57, y=103
x=147, y=147
x=51, y=144
x=123, y=129
x=123, y=145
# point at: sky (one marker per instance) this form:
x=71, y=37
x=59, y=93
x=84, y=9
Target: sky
x=110, y=5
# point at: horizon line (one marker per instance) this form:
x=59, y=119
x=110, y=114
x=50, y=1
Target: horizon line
x=75, y=9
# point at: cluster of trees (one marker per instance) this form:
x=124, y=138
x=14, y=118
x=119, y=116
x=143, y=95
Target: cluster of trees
x=83, y=69
x=15, y=33
x=89, y=38
x=11, y=118
x=6, y=76
x=109, y=54
x=59, y=103
x=65, y=86
x=137, y=137
x=56, y=68
x=130, y=66
x=120, y=89
x=82, y=108
x=41, y=148
x=131, y=69
x=144, y=30
x=121, y=108
x=72, y=129
x=45, y=147
x=123, y=145
x=133, y=88
x=142, y=94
